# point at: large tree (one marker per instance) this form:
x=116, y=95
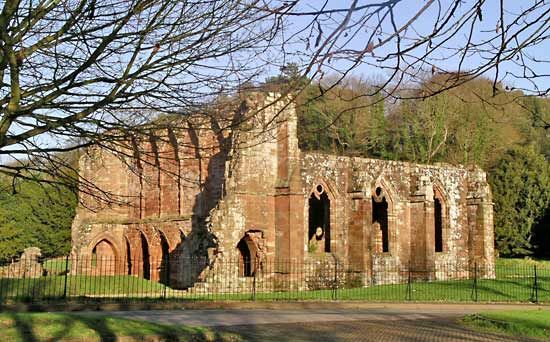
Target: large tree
x=407, y=39
x=71, y=70
x=463, y=125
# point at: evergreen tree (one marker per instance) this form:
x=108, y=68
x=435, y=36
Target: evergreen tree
x=35, y=215
x=521, y=192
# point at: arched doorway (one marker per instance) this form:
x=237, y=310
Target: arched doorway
x=164, y=271
x=146, y=263
x=380, y=221
x=319, y=220
x=438, y=213
x=440, y=218
x=128, y=258
x=245, y=259
x=104, y=258
x=250, y=249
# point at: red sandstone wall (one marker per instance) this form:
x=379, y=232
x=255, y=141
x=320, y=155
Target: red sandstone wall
x=164, y=187
x=468, y=231
x=182, y=187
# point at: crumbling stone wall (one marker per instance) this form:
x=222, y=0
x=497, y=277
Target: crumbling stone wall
x=197, y=193
x=28, y=265
x=151, y=203
x=409, y=191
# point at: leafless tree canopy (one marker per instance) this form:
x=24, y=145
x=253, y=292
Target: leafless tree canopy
x=74, y=69
x=409, y=39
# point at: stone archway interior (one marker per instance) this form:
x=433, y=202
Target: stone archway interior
x=438, y=219
x=380, y=221
x=128, y=258
x=164, y=262
x=248, y=254
x=319, y=220
x=146, y=264
x=103, y=257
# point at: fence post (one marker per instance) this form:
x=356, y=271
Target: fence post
x=474, y=285
x=535, y=292
x=335, y=285
x=166, y=275
x=66, y=274
x=254, y=285
x=409, y=289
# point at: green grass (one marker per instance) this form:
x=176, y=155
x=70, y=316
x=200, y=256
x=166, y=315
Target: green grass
x=514, y=283
x=514, y=290
x=532, y=323
x=56, y=266
x=58, y=326
x=79, y=286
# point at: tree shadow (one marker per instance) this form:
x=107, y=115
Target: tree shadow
x=36, y=327
x=24, y=328
x=196, y=252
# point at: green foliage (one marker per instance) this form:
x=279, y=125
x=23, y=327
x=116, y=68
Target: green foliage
x=342, y=120
x=37, y=215
x=521, y=188
x=312, y=248
x=463, y=125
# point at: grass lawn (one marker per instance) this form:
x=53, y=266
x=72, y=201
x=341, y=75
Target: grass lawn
x=57, y=266
x=57, y=326
x=74, y=286
x=532, y=323
x=509, y=290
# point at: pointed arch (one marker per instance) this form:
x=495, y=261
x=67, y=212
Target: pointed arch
x=109, y=238
x=328, y=189
x=319, y=217
x=164, y=259
x=248, y=256
x=383, y=199
x=145, y=261
x=441, y=217
x=104, y=255
x=388, y=191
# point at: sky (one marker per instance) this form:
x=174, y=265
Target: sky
x=443, y=57
x=361, y=33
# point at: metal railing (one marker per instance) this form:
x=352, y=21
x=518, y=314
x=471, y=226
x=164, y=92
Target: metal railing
x=327, y=278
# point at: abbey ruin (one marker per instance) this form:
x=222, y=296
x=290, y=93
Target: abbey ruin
x=250, y=193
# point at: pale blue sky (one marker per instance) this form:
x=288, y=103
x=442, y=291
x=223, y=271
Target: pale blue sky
x=442, y=58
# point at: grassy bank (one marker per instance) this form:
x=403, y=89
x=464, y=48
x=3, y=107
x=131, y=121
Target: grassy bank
x=55, y=327
x=533, y=323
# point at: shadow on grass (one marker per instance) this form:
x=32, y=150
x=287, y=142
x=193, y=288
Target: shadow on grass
x=24, y=329
x=35, y=327
x=525, y=324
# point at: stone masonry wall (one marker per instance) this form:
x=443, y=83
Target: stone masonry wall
x=247, y=194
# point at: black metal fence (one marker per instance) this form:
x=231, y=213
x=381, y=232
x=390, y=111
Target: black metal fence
x=110, y=280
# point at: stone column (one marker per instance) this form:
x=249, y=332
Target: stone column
x=422, y=229
x=289, y=200
x=358, y=252
x=480, y=226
